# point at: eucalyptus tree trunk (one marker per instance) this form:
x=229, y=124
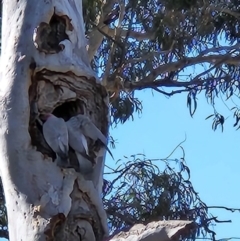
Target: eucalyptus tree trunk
x=45, y=69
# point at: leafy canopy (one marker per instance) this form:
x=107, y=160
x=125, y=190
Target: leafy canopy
x=170, y=46
x=141, y=193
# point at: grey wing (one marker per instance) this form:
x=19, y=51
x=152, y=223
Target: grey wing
x=100, y=136
x=75, y=141
x=76, y=138
x=63, y=137
x=103, y=139
x=94, y=133
x=63, y=143
x=84, y=143
x=85, y=164
x=56, y=135
x=85, y=125
x=73, y=123
x=90, y=130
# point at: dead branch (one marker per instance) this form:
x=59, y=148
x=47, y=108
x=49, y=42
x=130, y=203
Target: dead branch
x=226, y=208
x=161, y=230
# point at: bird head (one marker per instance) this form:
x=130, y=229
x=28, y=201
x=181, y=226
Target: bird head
x=45, y=116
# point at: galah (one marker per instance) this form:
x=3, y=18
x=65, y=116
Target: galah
x=81, y=126
x=77, y=141
x=55, y=133
x=85, y=163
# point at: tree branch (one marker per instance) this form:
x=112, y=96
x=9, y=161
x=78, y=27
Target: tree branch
x=166, y=82
x=219, y=49
x=133, y=34
x=114, y=44
x=228, y=209
x=101, y=30
x=95, y=37
x=186, y=62
x=148, y=56
x=97, y=34
x=150, y=81
x=224, y=9
x=161, y=230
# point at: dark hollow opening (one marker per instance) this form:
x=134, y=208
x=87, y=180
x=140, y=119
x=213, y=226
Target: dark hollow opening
x=58, y=26
x=65, y=111
x=68, y=109
x=50, y=35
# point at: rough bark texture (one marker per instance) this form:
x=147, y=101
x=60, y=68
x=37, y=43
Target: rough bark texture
x=157, y=231
x=45, y=68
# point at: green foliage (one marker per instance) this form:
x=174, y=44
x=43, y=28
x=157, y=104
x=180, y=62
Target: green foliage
x=166, y=40
x=123, y=108
x=91, y=9
x=3, y=214
x=140, y=193
x=218, y=120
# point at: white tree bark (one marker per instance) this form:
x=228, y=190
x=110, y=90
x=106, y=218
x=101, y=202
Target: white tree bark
x=155, y=231
x=45, y=67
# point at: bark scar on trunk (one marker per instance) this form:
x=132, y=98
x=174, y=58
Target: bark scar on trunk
x=53, y=226
x=47, y=37
x=49, y=78
x=65, y=95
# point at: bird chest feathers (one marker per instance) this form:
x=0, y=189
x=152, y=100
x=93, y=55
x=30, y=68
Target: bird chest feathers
x=79, y=133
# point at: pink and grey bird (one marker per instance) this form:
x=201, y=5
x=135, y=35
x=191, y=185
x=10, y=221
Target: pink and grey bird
x=77, y=141
x=55, y=133
x=81, y=126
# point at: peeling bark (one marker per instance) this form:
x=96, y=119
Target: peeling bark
x=45, y=69
x=161, y=230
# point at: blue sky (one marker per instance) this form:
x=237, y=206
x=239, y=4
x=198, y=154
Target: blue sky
x=213, y=157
